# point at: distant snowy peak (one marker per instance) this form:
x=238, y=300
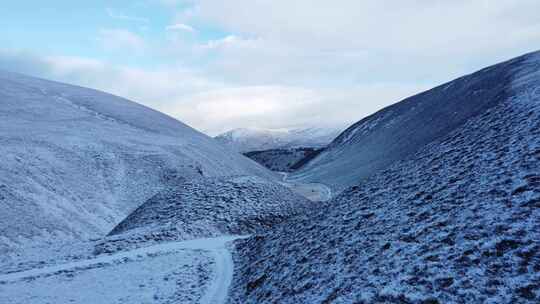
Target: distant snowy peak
x=255, y=139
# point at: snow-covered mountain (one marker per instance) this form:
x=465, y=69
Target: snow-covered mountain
x=252, y=139
x=74, y=161
x=453, y=216
x=398, y=131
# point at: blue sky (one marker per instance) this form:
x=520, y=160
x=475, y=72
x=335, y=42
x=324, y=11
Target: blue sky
x=72, y=28
x=67, y=27
x=219, y=65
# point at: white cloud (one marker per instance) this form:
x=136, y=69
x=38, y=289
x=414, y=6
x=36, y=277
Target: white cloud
x=218, y=110
x=383, y=25
x=287, y=63
x=213, y=106
x=373, y=40
x=180, y=27
x=229, y=40
x=116, y=15
x=121, y=40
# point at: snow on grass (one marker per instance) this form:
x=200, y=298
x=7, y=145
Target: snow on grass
x=206, y=208
x=456, y=222
x=196, y=271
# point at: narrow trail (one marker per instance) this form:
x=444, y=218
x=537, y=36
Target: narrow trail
x=313, y=191
x=216, y=293
x=218, y=290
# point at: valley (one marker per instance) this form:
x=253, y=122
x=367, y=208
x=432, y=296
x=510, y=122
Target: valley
x=434, y=199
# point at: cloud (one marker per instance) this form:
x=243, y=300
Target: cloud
x=121, y=40
x=291, y=63
x=383, y=25
x=229, y=40
x=115, y=15
x=219, y=110
x=369, y=40
x=209, y=104
x=180, y=27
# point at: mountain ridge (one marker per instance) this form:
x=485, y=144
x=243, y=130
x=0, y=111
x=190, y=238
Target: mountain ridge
x=257, y=139
x=397, y=131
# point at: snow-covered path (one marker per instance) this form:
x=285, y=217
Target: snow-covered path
x=313, y=191
x=216, y=291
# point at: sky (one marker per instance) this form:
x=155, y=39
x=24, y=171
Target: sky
x=220, y=65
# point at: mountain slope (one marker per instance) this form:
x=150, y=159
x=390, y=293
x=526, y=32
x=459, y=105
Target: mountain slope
x=458, y=222
x=248, y=140
x=202, y=208
x=75, y=161
x=398, y=131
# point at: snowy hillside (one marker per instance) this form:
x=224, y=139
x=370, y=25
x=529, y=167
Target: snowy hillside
x=74, y=161
x=206, y=208
x=398, y=131
x=457, y=222
x=172, y=249
x=247, y=140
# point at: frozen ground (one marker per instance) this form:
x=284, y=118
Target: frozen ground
x=196, y=271
x=456, y=222
x=143, y=261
